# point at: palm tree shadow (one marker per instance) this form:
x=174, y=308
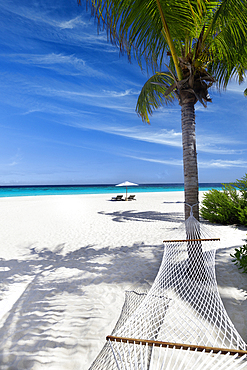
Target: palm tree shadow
x=39, y=319
x=33, y=325
x=146, y=216
x=173, y=202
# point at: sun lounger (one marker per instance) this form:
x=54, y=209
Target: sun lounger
x=118, y=197
x=131, y=197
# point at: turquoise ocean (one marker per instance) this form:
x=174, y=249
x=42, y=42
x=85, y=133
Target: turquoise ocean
x=18, y=191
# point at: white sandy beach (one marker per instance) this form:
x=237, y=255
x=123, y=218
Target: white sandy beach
x=66, y=261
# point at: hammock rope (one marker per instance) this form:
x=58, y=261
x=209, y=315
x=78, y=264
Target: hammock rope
x=176, y=345
x=174, y=356
x=181, y=323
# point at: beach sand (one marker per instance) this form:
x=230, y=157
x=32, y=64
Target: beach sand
x=66, y=262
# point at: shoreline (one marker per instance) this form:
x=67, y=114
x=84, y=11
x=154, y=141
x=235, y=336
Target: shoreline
x=67, y=260
x=15, y=191
x=108, y=196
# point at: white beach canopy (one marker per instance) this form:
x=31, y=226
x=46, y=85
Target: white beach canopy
x=126, y=184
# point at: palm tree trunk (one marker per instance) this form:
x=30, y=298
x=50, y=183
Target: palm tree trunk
x=190, y=158
x=196, y=268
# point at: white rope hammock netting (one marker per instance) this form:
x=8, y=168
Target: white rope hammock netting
x=181, y=322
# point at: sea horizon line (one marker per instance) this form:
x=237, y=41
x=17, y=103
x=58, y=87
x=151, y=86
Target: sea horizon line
x=106, y=184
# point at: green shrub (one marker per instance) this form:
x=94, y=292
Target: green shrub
x=242, y=186
x=228, y=206
x=243, y=216
x=218, y=207
x=240, y=258
x=242, y=208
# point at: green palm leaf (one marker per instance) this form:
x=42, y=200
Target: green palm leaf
x=138, y=27
x=158, y=91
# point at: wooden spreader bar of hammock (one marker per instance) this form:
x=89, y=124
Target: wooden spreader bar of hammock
x=192, y=347
x=192, y=240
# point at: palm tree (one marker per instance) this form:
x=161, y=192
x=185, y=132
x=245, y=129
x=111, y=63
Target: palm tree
x=189, y=45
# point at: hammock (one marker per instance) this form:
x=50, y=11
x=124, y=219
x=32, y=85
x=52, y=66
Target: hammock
x=181, y=323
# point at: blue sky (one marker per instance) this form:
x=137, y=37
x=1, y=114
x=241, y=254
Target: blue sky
x=67, y=108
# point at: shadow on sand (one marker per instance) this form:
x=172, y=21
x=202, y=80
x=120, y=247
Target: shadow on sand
x=147, y=216
x=48, y=316
x=40, y=322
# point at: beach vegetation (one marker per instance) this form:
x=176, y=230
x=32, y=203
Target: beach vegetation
x=227, y=206
x=240, y=258
x=188, y=46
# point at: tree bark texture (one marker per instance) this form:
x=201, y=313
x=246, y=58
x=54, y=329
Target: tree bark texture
x=189, y=158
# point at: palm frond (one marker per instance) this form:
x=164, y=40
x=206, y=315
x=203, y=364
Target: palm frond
x=135, y=26
x=226, y=46
x=227, y=58
x=158, y=91
x=211, y=34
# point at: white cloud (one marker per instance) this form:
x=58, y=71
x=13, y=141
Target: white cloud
x=37, y=16
x=170, y=162
x=59, y=111
x=218, y=144
x=91, y=94
x=220, y=163
x=71, y=23
x=120, y=94
x=43, y=21
x=163, y=137
x=63, y=64
x=52, y=58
